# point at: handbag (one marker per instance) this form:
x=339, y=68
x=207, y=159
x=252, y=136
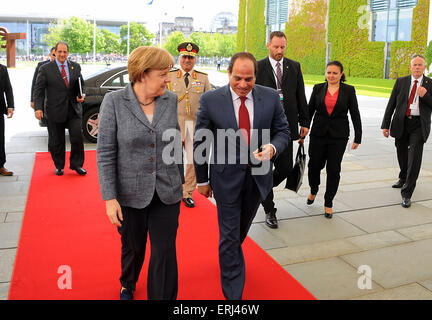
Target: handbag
x=295, y=178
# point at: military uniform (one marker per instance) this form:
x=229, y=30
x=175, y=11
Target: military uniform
x=188, y=104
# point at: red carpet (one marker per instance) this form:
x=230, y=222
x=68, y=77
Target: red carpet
x=65, y=225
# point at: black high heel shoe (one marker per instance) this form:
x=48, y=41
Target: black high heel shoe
x=309, y=202
x=328, y=215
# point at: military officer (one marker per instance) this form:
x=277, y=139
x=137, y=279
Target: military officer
x=188, y=84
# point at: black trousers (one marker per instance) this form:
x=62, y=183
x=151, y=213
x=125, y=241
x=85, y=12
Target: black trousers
x=160, y=221
x=234, y=221
x=326, y=152
x=409, y=149
x=282, y=168
x=57, y=140
x=2, y=142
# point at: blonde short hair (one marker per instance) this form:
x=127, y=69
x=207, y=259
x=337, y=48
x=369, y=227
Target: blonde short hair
x=144, y=58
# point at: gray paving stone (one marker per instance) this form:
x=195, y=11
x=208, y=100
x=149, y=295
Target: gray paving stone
x=13, y=203
x=14, y=217
x=362, y=186
x=265, y=239
x=317, y=208
x=9, y=235
x=314, y=251
x=329, y=279
x=397, y=265
x=2, y=217
x=427, y=204
x=388, y=218
x=412, y=291
x=427, y=284
x=20, y=163
x=313, y=229
x=4, y=290
x=378, y=240
x=370, y=198
x=7, y=258
x=15, y=188
x=285, y=210
x=418, y=232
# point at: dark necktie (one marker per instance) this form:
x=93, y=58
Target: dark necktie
x=279, y=75
x=64, y=75
x=244, y=121
x=186, y=79
x=411, y=98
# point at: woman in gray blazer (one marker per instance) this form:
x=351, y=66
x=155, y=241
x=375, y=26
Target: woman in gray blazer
x=140, y=170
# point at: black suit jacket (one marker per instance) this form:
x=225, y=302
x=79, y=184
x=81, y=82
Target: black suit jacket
x=51, y=86
x=394, y=115
x=5, y=89
x=35, y=76
x=335, y=125
x=294, y=103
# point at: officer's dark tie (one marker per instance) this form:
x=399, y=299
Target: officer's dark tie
x=186, y=79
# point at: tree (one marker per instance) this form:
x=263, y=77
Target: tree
x=78, y=33
x=173, y=41
x=112, y=42
x=139, y=36
x=428, y=55
x=228, y=45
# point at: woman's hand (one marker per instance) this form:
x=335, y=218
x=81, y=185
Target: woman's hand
x=355, y=146
x=114, y=212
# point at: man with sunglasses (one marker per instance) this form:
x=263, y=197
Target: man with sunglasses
x=189, y=84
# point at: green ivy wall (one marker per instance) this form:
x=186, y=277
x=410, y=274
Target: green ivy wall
x=402, y=51
x=347, y=33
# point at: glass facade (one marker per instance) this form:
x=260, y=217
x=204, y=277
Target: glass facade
x=392, y=20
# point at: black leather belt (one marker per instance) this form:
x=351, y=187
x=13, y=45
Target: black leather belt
x=412, y=117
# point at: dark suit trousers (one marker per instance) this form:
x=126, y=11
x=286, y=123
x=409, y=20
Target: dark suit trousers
x=160, y=221
x=57, y=140
x=282, y=168
x=326, y=152
x=410, y=152
x=2, y=141
x=234, y=221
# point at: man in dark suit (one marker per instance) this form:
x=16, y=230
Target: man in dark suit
x=408, y=119
x=234, y=120
x=60, y=87
x=42, y=122
x=6, y=107
x=286, y=77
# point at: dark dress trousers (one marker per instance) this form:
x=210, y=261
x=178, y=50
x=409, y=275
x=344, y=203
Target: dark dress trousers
x=6, y=101
x=329, y=136
x=61, y=111
x=410, y=133
x=296, y=112
x=236, y=188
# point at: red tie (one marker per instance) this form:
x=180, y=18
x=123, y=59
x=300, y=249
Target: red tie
x=411, y=98
x=64, y=75
x=244, y=121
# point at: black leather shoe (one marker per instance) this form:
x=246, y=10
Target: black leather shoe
x=80, y=171
x=271, y=220
x=398, y=184
x=126, y=294
x=328, y=215
x=189, y=202
x=59, y=172
x=406, y=202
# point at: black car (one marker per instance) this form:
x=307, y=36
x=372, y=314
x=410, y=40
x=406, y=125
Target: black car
x=97, y=85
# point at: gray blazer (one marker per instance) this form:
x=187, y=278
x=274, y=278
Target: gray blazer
x=129, y=150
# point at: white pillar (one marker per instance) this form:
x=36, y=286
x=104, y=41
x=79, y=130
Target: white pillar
x=430, y=23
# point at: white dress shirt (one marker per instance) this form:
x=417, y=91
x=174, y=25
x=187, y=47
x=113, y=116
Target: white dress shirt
x=249, y=106
x=273, y=63
x=415, y=110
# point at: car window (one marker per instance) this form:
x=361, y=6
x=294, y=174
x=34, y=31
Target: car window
x=125, y=78
x=115, y=82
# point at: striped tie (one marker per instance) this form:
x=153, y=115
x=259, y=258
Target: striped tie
x=279, y=75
